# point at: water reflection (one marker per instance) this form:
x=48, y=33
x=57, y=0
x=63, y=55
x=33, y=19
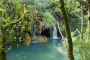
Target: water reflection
x=36, y=51
x=54, y=42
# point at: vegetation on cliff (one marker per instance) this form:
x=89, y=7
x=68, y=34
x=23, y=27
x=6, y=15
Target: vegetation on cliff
x=21, y=20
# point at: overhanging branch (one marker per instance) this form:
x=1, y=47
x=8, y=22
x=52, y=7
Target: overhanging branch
x=83, y=3
x=12, y=23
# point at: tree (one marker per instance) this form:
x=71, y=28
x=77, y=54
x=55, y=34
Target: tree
x=3, y=39
x=88, y=19
x=87, y=5
x=81, y=34
x=3, y=35
x=69, y=39
x=82, y=17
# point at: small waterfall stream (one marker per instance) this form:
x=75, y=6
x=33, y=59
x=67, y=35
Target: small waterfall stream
x=55, y=30
x=34, y=35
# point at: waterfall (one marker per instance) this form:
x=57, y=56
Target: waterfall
x=34, y=40
x=55, y=30
x=34, y=35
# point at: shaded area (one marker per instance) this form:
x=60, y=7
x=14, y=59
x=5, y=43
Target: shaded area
x=45, y=32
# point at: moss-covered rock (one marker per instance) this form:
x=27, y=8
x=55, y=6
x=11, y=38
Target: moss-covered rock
x=27, y=39
x=42, y=38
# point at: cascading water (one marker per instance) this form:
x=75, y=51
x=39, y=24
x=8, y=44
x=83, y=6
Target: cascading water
x=34, y=35
x=55, y=30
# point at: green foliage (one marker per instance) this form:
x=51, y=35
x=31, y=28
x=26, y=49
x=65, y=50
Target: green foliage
x=4, y=14
x=15, y=11
x=73, y=11
x=0, y=26
x=85, y=20
x=81, y=47
x=49, y=20
x=39, y=5
x=11, y=31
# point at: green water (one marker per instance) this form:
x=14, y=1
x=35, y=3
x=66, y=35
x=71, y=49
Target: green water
x=51, y=50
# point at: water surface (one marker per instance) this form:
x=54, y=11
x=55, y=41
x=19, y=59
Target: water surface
x=49, y=50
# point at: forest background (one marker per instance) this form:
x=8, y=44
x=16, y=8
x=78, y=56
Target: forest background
x=17, y=17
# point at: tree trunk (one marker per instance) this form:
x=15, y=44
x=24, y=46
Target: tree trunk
x=82, y=17
x=3, y=45
x=81, y=34
x=69, y=39
x=88, y=19
x=3, y=35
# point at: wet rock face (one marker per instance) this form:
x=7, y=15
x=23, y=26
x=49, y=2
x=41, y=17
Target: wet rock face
x=42, y=38
x=40, y=27
x=27, y=39
x=58, y=17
